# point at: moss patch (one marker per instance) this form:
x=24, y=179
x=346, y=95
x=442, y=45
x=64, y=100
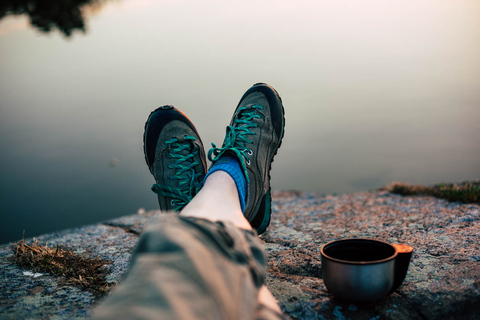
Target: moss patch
x=77, y=269
x=466, y=192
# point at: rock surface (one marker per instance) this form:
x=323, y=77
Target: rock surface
x=443, y=281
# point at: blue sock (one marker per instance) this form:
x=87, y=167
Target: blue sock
x=230, y=165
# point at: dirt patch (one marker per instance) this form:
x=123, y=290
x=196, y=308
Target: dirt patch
x=77, y=269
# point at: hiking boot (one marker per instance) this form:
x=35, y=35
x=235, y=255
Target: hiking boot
x=254, y=135
x=175, y=156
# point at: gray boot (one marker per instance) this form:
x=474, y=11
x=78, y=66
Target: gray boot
x=175, y=156
x=254, y=135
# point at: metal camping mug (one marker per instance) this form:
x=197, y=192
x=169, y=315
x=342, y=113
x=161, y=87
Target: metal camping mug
x=361, y=270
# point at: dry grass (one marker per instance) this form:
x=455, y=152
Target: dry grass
x=466, y=192
x=77, y=269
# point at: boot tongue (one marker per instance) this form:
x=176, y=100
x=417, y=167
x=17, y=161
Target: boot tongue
x=226, y=158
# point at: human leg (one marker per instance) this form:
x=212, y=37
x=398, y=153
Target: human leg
x=253, y=137
x=204, y=263
x=218, y=201
x=190, y=268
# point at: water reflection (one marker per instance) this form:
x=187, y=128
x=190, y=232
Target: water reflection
x=68, y=16
x=374, y=92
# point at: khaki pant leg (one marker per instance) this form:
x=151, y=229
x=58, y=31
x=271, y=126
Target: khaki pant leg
x=190, y=268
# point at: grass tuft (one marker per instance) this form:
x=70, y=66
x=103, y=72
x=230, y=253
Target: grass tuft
x=77, y=269
x=466, y=192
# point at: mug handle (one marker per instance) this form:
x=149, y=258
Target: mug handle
x=404, y=254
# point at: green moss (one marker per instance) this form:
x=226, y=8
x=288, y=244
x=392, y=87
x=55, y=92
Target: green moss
x=467, y=192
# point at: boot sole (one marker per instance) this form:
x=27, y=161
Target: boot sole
x=263, y=216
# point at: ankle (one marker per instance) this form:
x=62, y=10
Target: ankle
x=218, y=201
x=229, y=164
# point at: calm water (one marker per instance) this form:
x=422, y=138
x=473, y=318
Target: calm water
x=374, y=91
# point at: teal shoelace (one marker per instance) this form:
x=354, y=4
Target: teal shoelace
x=236, y=138
x=184, y=165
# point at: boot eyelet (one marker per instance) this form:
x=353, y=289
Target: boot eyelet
x=250, y=152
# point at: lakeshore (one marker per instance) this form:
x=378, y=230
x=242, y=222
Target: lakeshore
x=443, y=281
